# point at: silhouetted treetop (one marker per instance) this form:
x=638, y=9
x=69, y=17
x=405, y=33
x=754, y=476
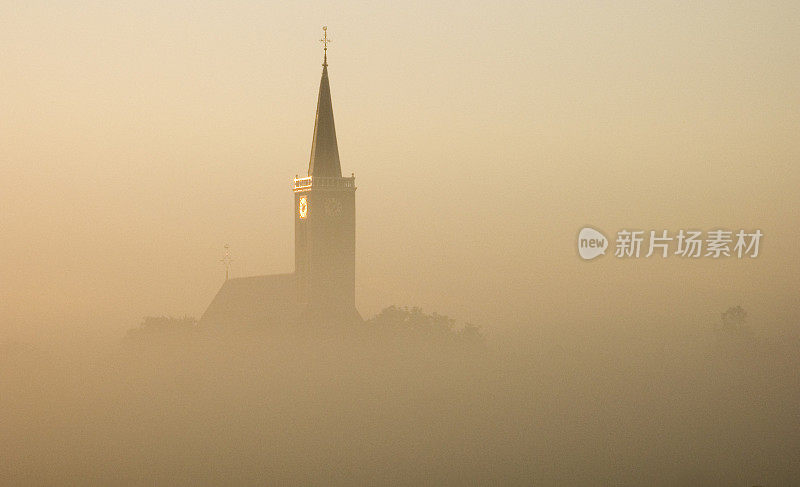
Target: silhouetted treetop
x=163, y=326
x=413, y=322
x=734, y=320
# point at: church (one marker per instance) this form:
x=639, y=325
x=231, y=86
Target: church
x=322, y=288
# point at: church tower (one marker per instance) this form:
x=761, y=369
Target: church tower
x=325, y=218
x=322, y=289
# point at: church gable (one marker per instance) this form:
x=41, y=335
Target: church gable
x=252, y=302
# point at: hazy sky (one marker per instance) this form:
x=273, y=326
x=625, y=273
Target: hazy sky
x=137, y=138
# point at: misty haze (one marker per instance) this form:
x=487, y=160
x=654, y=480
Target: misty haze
x=404, y=255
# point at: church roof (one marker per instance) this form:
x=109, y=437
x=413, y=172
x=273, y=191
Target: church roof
x=324, y=149
x=253, y=301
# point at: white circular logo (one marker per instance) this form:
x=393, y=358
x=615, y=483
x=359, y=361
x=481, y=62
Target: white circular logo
x=591, y=243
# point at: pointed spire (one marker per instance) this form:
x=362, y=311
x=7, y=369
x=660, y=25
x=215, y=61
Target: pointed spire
x=324, y=149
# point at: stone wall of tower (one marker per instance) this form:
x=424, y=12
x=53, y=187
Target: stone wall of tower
x=325, y=251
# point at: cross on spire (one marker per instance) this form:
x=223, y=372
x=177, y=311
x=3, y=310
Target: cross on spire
x=325, y=42
x=324, y=160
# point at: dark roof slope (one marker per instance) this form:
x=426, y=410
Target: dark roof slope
x=253, y=301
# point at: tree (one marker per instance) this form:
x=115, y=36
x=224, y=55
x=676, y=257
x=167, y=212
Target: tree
x=163, y=326
x=734, y=320
x=414, y=323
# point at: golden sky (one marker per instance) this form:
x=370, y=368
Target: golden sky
x=137, y=138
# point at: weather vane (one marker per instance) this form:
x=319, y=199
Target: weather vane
x=226, y=261
x=325, y=42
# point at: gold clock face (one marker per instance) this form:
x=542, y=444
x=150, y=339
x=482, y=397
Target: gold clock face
x=303, y=210
x=333, y=207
